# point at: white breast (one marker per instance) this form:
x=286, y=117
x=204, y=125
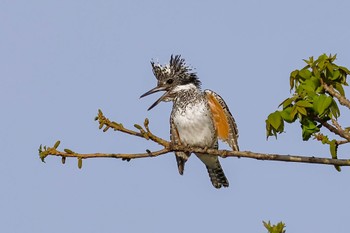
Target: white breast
x=195, y=126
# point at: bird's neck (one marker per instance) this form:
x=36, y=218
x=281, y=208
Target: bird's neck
x=187, y=94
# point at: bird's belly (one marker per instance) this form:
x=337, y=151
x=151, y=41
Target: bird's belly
x=195, y=128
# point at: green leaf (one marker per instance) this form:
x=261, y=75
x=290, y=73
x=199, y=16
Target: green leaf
x=314, y=82
x=330, y=69
x=335, y=75
x=308, y=129
x=80, y=162
x=333, y=58
x=320, y=90
x=322, y=103
x=321, y=61
x=287, y=102
x=40, y=148
x=333, y=147
x=68, y=151
x=306, y=133
x=302, y=110
x=335, y=109
x=304, y=103
x=293, y=112
x=339, y=88
x=275, y=120
x=286, y=115
x=307, y=87
x=292, y=78
x=304, y=74
x=301, y=91
x=344, y=69
x=270, y=131
x=309, y=62
x=325, y=140
x=274, y=124
x=320, y=64
x=278, y=228
x=56, y=144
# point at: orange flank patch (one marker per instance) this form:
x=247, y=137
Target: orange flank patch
x=220, y=118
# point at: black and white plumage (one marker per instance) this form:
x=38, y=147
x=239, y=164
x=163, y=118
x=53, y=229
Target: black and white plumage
x=197, y=119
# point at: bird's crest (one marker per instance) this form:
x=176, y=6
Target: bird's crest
x=177, y=69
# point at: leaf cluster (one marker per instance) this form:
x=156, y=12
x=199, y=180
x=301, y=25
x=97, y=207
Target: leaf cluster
x=311, y=104
x=277, y=228
x=45, y=151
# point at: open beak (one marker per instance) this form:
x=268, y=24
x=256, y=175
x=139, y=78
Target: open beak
x=154, y=90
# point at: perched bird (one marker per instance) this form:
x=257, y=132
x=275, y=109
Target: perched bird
x=198, y=118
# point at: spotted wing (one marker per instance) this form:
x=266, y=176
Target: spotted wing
x=225, y=124
x=181, y=157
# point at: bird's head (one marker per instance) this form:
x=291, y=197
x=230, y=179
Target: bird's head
x=172, y=78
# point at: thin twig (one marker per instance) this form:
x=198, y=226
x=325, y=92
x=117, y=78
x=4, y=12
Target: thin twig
x=340, y=142
x=336, y=124
x=105, y=122
x=342, y=100
x=333, y=129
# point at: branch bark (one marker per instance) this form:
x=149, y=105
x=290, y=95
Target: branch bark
x=336, y=130
x=342, y=100
x=221, y=153
x=169, y=147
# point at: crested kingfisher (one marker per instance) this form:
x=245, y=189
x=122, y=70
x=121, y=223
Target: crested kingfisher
x=198, y=118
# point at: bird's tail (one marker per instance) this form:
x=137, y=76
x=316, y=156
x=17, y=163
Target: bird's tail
x=181, y=159
x=217, y=176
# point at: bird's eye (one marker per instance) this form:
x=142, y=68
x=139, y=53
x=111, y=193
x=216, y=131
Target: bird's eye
x=169, y=81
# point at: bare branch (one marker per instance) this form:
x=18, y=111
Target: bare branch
x=342, y=100
x=146, y=134
x=337, y=130
x=169, y=147
x=324, y=139
x=336, y=124
x=221, y=153
x=340, y=142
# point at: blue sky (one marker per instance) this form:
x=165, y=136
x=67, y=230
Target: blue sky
x=60, y=61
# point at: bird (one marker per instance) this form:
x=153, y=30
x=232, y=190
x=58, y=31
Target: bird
x=198, y=118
